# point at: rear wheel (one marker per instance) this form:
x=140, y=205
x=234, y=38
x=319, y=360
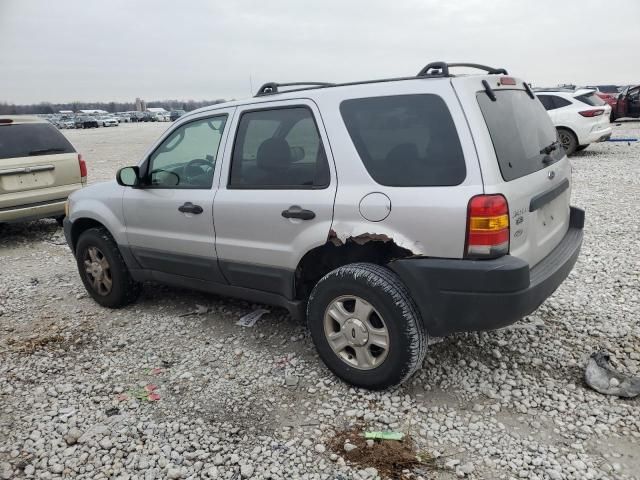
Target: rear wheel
x=103, y=271
x=568, y=140
x=581, y=147
x=366, y=326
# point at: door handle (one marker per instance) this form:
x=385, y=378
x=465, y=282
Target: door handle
x=189, y=207
x=295, y=211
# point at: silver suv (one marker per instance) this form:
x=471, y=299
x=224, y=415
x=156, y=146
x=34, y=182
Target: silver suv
x=381, y=211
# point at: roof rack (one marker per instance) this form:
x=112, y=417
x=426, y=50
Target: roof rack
x=432, y=70
x=441, y=69
x=272, y=87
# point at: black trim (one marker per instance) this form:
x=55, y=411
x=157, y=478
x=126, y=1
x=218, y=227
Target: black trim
x=271, y=88
x=543, y=198
x=441, y=69
x=296, y=308
x=529, y=91
x=204, y=268
x=35, y=204
x=259, y=277
x=489, y=90
x=473, y=295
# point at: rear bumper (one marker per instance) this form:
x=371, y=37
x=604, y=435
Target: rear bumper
x=599, y=135
x=472, y=295
x=33, y=211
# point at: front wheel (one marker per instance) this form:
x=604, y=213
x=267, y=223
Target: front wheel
x=103, y=271
x=366, y=326
x=568, y=140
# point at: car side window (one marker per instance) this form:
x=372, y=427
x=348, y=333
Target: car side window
x=278, y=148
x=546, y=102
x=187, y=157
x=559, y=102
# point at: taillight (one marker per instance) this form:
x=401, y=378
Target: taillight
x=83, y=167
x=592, y=113
x=487, y=227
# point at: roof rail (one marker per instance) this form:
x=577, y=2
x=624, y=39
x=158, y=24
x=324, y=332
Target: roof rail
x=441, y=69
x=272, y=87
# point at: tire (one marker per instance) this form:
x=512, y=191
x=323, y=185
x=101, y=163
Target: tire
x=97, y=244
x=368, y=288
x=568, y=140
x=579, y=148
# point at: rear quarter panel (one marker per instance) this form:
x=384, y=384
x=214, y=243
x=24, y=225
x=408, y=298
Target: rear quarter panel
x=428, y=221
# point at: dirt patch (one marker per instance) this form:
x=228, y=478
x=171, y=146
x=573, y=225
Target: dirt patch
x=50, y=337
x=391, y=458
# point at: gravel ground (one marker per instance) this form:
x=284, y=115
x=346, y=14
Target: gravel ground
x=237, y=402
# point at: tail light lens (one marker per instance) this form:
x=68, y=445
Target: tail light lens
x=83, y=167
x=592, y=113
x=487, y=227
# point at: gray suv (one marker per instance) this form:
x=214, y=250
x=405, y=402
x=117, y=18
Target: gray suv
x=379, y=211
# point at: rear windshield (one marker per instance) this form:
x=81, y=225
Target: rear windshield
x=30, y=139
x=591, y=99
x=406, y=140
x=520, y=128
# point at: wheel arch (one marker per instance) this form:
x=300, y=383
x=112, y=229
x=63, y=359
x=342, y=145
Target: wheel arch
x=318, y=261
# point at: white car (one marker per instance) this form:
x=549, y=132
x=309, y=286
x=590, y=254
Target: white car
x=108, y=122
x=580, y=116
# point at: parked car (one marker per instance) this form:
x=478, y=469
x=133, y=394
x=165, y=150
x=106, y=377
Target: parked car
x=107, y=121
x=123, y=117
x=86, y=122
x=481, y=231
x=608, y=93
x=39, y=168
x=65, y=123
x=628, y=103
x=580, y=116
x=160, y=116
x=176, y=114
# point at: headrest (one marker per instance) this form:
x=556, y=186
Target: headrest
x=273, y=153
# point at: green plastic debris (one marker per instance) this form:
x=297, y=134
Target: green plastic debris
x=383, y=435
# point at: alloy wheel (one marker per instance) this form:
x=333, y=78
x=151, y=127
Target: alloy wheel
x=98, y=271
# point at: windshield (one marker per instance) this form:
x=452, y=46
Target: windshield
x=521, y=132
x=28, y=139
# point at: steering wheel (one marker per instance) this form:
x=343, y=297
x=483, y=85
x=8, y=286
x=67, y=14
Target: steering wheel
x=195, y=168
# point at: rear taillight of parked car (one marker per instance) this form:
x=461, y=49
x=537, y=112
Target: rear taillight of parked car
x=487, y=227
x=592, y=113
x=83, y=168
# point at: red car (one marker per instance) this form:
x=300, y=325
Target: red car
x=627, y=103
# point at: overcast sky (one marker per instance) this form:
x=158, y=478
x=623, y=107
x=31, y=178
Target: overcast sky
x=101, y=50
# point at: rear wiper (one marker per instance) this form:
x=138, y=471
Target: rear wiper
x=550, y=148
x=44, y=151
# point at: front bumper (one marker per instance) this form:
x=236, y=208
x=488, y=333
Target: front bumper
x=472, y=295
x=66, y=225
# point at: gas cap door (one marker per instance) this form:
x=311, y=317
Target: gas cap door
x=375, y=206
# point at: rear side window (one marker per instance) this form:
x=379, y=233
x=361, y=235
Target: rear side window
x=406, y=140
x=520, y=128
x=551, y=102
x=591, y=99
x=31, y=139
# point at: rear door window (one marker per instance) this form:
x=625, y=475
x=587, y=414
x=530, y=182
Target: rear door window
x=520, y=128
x=406, y=140
x=31, y=139
x=591, y=99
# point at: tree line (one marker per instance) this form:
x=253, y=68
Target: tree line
x=45, y=107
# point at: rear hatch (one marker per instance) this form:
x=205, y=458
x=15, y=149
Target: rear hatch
x=35, y=158
x=520, y=159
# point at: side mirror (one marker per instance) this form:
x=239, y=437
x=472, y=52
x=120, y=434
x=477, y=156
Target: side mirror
x=128, y=176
